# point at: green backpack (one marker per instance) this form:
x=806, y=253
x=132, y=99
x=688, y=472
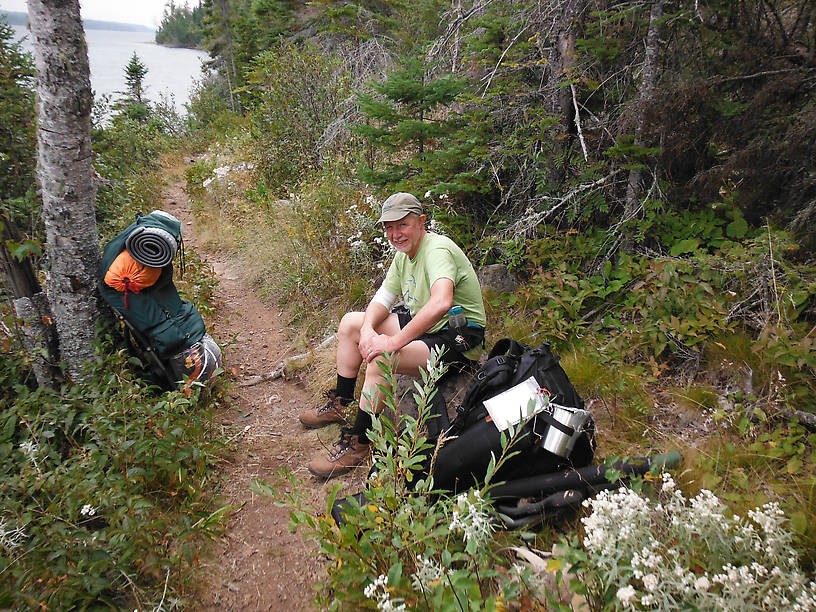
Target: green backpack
x=169, y=323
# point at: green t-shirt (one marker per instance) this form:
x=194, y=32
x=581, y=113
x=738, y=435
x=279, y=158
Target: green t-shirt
x=438, y=257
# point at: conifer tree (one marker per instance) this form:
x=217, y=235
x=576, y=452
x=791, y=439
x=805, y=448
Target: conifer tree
x=181, y=26
x=220, y=18
x=17, y=114
x=405, y=121
x=135, y=72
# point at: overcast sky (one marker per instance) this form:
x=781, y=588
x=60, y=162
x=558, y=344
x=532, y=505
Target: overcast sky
x=143, y=12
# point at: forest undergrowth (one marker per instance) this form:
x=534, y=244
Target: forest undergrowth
x=607, y=158
x=642, y=170
x=698, y=353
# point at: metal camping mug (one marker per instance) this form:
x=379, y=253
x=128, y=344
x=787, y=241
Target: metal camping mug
x=556, y=441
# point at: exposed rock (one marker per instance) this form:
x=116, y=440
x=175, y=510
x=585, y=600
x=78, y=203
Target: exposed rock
x=453, y=389
x=498, y=278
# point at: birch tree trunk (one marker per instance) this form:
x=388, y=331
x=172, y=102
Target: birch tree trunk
x=65, y=175
x=647, y=87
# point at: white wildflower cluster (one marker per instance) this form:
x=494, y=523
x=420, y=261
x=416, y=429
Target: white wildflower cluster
x=378, y=590
x=626, y=595
x=427, y=574
x=430, y=194
x=470, y=516
x=356, y=240
x=87, y=510
x=689, y=553
x=30, y=450
x=436, y=227
x=669, y=485
x=613, y=524
x=362, y=249
x=387, y=250
x=10, y=538
x=527, y=576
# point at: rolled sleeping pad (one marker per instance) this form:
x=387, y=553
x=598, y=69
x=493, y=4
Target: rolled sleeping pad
x=543, y=485
x=152, y=246
x=560, y=499
x=552, y=507
x=560, y=491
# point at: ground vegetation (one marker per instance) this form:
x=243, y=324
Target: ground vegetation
x=104, y=480
x=644, y=169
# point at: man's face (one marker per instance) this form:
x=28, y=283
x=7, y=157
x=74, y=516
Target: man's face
x=406, y=234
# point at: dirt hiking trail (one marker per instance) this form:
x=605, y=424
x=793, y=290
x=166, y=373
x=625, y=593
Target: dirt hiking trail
x=258, y=564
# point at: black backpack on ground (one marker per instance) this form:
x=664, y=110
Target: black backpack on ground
x=463, y=460
x=510, y=363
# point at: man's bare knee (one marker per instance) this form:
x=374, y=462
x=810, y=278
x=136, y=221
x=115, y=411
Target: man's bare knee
x=350, y=326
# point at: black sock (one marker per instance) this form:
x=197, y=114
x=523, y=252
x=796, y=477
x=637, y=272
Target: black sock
x=362, y=423
x=345, y=386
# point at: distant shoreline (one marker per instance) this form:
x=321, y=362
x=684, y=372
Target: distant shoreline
x=20, y=18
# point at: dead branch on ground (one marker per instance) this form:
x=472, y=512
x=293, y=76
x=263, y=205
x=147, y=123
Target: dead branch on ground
x=287, y=364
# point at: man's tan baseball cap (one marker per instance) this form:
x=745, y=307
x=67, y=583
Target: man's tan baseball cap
x=398, y=205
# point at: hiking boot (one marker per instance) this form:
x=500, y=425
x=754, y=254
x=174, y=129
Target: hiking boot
x=334, y=411
x=347, y=453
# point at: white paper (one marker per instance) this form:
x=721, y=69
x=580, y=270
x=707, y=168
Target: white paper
x=513, y=405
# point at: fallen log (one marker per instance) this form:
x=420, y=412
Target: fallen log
x=286, y=364
x=806, y=419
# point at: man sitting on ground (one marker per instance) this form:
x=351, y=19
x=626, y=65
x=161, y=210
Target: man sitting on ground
x=432, y=274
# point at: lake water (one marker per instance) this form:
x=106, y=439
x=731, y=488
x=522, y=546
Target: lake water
x=169, y=71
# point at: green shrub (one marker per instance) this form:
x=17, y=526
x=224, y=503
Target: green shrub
x=101, y=486
x=405, y=546
x=198, y=172
x=673, y=310
x=295, y=94
x=209, y=112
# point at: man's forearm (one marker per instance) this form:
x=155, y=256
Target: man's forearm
x=375, y=314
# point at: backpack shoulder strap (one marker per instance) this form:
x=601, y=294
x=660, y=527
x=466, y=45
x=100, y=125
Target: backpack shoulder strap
x=494, y=374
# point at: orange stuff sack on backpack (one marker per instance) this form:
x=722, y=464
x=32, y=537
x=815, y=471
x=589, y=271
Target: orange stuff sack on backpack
x=128, y=275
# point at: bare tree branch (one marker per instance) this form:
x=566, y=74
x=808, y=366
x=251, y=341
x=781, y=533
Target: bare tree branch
x=578, y=123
